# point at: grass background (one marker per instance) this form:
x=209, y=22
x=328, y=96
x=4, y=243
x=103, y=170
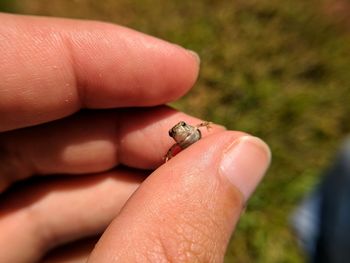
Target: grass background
x=276, y=69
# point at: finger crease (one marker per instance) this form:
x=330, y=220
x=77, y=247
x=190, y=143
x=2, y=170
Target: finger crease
x=76, y=80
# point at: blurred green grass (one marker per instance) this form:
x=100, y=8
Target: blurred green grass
x=276, y=69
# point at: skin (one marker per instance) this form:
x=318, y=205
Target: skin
x=91, y=165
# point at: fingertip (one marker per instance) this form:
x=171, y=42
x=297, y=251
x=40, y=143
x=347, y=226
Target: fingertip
x=244, y=163
x=195, y=55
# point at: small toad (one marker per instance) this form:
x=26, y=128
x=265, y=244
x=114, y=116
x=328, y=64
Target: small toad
x=184, y=135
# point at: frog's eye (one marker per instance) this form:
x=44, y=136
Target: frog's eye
x=183, y=123
x=171, y=133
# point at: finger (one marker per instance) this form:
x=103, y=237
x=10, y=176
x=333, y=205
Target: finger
x=92, y=142
x=74, y=252
x=39, y=216
x=187, y=209
x=52, y=67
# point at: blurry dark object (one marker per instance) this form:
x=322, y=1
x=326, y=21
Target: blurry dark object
x=323, y=220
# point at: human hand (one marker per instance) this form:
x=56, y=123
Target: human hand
x=89, y=162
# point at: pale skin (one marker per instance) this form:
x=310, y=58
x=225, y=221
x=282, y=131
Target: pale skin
x=88, y=163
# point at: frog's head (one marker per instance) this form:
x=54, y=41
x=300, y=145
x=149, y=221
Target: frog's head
x=180, y=131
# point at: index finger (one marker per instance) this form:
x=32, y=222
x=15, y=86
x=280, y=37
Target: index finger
x=51, y=68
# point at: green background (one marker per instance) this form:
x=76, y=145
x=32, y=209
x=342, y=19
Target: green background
x=276, y=69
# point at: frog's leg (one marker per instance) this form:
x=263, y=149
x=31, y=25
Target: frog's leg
x=205, y=124
x=175, y=149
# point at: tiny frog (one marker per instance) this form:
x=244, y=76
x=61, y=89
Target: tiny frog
x=184, y=135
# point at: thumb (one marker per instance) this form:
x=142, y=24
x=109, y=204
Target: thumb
x=187, y=209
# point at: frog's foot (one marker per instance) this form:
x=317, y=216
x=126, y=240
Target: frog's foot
x=206, y=124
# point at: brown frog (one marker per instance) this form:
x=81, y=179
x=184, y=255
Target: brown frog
x=184, y=135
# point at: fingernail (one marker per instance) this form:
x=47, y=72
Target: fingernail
x=245, y=163
x=195, y=55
